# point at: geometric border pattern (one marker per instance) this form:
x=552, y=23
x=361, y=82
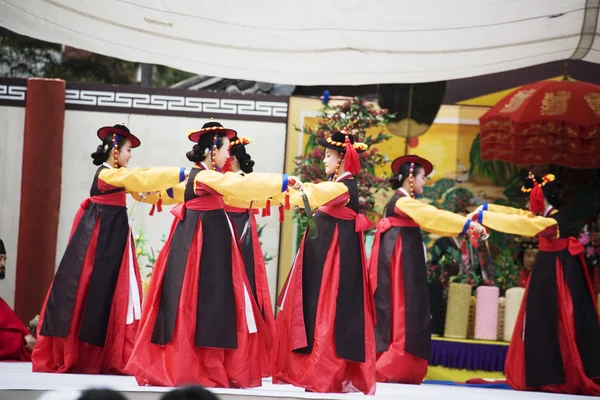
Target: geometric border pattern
x=158, y=101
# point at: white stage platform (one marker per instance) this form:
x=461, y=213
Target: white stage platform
x=17, y=382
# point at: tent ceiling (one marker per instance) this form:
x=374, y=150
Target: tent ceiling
x=319, y=42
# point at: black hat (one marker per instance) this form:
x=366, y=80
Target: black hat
x=400, y=161
x=119, y=129
x=2, y=248
x=211, y=127
x=337, y=141
x=527, y=242
x=530, y=183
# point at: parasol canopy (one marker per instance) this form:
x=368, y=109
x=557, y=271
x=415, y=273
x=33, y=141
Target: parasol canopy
x=547, y=122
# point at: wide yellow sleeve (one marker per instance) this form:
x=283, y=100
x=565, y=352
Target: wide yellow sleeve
x=262, y=203
x=431, y=219
x=255, y=186
x=508, y=210
x=174, y=195
x=319, y=194
x=521, y=225
x=142, y=179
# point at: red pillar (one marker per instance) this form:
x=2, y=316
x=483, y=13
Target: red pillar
x=40, y=194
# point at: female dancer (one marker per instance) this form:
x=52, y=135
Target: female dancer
x=244, y=221
x=398, y=273
x=200, y=324
x=554, y=347
x=89, y=320
x=324, y=339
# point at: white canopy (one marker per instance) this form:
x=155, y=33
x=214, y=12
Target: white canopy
x=320, y=42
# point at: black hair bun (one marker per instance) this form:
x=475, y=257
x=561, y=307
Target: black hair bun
x=553, y=191
x=395, y=183
x=197, y=154
x=100, y=155
x=246, y=164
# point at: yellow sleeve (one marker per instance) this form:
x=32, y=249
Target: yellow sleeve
x=255, y=186
x=507, y=210
x=142, y=179
x=262, y=203
x=174, y=195
x=318, y=194
x=521, y=225
x=431, y=219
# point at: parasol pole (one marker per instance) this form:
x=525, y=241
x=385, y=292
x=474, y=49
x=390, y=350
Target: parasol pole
x=565, y=74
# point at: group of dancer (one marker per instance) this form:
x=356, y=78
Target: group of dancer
x=344, y=323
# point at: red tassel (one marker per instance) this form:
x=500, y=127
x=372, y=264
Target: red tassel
x=151, y=213
x=351, y=160
x=536, y=199
x=287, y=200
x=268, y=208
x=159, y=205
x=227, y=165
x=281, y=215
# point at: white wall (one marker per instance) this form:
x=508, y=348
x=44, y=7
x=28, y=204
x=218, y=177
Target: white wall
x=164, y=143
x=12, y=127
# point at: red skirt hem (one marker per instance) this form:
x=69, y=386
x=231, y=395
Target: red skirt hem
x=181, y=362
x=70, y=355
x=576, y=380
x=322, y=370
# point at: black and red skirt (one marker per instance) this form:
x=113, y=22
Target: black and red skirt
x=90, y=317
x=555, y=345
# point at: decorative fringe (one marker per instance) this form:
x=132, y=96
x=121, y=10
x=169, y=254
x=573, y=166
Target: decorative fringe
x=267, y=209
x=227, y=165
x=536, y=199
x=157, y=207
x=351, y=162
x=287, y=199
x=281, y=215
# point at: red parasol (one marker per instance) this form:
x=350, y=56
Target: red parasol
x=547, y=122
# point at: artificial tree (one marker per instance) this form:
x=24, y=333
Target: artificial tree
x=356, y=115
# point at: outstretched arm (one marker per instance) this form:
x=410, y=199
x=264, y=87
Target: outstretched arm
x=320, y=194
x=522, y=225
x=143, y=179
x=255, y=186
x=497, y=208
x=174, y=195
x=432, y=219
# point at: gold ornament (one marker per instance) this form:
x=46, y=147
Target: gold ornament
x=555, y=103
x=517, y=101
x=593, y=100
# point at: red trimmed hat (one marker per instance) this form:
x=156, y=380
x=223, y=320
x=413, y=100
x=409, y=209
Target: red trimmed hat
x=337, y=141
x=211, y=127
x=400, y=161
x=239, y=141
x=120, y=129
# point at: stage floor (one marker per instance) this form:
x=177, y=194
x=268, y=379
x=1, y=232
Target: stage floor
x=17, y=382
